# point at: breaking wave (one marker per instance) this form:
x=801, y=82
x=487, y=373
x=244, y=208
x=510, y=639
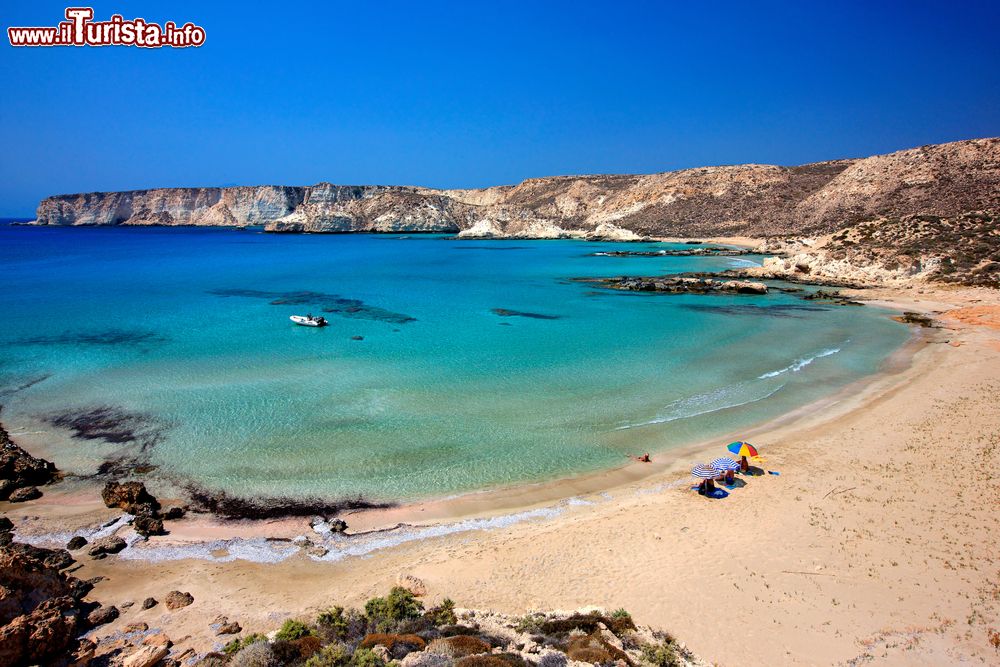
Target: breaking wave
x=799, y=364
x=723, y=398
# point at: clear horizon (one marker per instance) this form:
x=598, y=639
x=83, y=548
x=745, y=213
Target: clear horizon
x=462, y=96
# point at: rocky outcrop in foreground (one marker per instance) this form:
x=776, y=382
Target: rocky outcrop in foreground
x=42, y=612
x=397, y=629
x=748, y=200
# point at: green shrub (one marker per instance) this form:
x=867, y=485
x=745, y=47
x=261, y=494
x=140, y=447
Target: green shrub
x=241, y=642
x=443, y=614
x=292, y=630
x=334, y=622
x=664, y=654
x=530, y=624
x=386, y=613
x=365, y=657
x=332, y=655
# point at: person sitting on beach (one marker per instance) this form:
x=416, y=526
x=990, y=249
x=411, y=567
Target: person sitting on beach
x=730, y=477
x=642, y=459
x=744, y=464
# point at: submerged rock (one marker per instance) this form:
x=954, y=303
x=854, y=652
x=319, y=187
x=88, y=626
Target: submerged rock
x=506, y=312
x=681, y=285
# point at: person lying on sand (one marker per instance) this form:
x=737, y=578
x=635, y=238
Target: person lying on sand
x=641, y=459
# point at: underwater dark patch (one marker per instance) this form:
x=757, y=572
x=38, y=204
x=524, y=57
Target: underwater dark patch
x=7, y=391
x=107, y=337
x=111, y=424
x=232, y=507
x=488, y=247
x=778, y=310
x=504, y=312
x=328, y=303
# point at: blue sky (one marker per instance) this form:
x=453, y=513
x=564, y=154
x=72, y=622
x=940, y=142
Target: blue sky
x=465, y=94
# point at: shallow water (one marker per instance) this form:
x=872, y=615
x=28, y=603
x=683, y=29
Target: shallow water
x=481, y=364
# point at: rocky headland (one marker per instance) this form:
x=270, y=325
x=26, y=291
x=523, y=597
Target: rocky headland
x=916, y=213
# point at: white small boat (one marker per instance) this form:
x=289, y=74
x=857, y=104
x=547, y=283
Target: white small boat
x=308, y=320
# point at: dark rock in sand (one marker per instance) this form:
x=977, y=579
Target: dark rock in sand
x=174, y=513
x=107, y=545
x=177, y=600
x=131, y=497
x=226, y=627
x=832, y=297
x=76, y=542
x=25, y=494
x=41, y=612
x=916, y=318
x=149, y=603
x=148, y=525
x=337, y=525
x=6, y=538
x=102, y=615
x=6, y=524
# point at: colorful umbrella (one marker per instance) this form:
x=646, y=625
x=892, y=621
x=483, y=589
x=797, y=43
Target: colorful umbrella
x=704, y=472
x=742, y=449
x=725, y=464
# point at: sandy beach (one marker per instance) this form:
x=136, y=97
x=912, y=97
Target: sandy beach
x=876, y=543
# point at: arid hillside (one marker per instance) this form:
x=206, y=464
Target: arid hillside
x=943, y=180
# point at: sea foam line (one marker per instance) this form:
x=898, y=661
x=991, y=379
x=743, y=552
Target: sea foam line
x=799, y=364
x=680, y=406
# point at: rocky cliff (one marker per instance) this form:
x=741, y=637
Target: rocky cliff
x=750, y=200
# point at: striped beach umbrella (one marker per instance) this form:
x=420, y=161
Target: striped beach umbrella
x=725, y=464
x=704, y=471
x=741, y=448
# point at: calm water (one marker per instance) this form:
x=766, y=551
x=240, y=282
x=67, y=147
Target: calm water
x=174, y=333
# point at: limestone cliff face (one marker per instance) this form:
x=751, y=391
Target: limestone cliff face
x=750, y=200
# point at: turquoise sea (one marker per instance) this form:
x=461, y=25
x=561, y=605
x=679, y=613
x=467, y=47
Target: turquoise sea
x=173, y=347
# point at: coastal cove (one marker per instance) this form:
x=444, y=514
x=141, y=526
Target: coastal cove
x=481, y=364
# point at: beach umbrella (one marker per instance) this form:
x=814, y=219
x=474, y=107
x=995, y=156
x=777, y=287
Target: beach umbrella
x=741, y=448
x=725, y=464
x=704, y=471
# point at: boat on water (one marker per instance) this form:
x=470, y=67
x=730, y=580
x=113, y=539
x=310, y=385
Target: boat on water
x=309, y=320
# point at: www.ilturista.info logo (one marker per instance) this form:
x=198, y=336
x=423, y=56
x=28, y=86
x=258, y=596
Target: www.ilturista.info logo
x=79, y=29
